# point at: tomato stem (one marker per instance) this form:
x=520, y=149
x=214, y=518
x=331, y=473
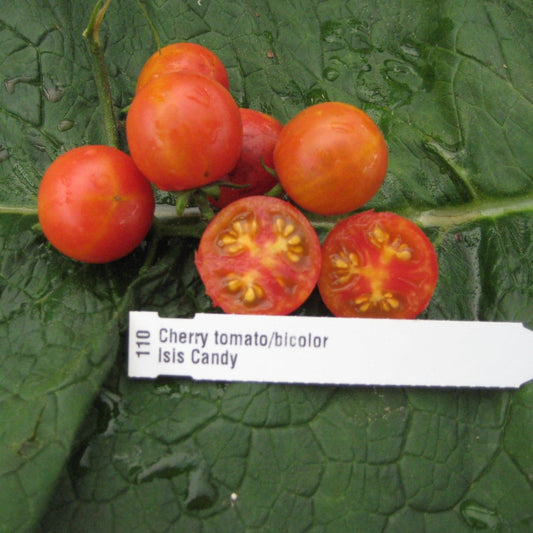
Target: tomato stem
x=277, y=191
x=144, y=11
x=92, y=35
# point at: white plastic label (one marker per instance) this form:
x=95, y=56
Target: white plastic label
x=325, y=350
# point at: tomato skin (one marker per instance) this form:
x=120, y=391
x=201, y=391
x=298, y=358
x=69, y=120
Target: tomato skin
x=184, y=131
x=377, y=265
x=183, y=57
x=259, y=255
x=94, y=205
x=260, y=134
x=331, y=158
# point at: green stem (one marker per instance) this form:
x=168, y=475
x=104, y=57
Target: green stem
x=101, y=75
x=446, y=217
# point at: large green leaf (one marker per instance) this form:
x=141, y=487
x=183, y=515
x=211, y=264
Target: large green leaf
x=83, y=448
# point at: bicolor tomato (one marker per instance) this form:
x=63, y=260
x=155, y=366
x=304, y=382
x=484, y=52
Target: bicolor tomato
x=260, y=134
x=331, y=158
x=183, y=57
x=377, y=265
x=184, y=131
x=94, y=205
x=259, y=255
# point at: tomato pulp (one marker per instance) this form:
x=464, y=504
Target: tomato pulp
x=94, y=204
x=184, y=131
x=331, y=158
x=259, y=255
x=377, y=265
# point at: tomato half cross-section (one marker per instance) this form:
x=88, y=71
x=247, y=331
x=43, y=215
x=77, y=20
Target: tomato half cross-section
x=259, y=255
x=184, y=131
x=331, y=158
x=94, y=205
x=183, y=57
x=377, y=264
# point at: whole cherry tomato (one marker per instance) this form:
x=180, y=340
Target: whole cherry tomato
x=184, y=131
x=183, y=57
x=331, y=158
x=260, y=134
x=377, y=265
x=94, y=205
x=259, y=255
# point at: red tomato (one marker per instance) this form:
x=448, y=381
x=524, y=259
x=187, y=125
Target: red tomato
x=259, y=255
x=331, y=158
x=184, y=131
x=377, y=265
x=260, y=133
x=94, y=205
x=183, y=57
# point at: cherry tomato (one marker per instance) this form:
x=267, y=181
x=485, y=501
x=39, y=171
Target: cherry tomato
x=377, y=265
x=260, y=133
x=184, y=131
x=331, y=158
x=94, y=205
x=183, y=57
x=259, y=255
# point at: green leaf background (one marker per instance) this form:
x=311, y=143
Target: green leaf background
x=83, y=448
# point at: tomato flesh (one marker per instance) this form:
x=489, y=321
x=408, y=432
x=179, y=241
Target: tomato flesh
x=331, y=158
x=184, y=131
x=377, y=265
x=183, y=57
x=259, y=255
x=94, y=205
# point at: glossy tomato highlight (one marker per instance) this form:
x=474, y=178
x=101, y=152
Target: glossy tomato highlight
x=377, y=265
x=259, y=255
x=183, y=57
x=331, y=158
x=260, y=134
x=94, y=204
x=184, y=131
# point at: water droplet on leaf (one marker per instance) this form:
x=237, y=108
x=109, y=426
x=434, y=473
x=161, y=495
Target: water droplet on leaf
x=330, y=74
x=65, y=125
x=4, y=154
x=12, y=83
x=316, y=96
x=53, y=93
x=478, y=516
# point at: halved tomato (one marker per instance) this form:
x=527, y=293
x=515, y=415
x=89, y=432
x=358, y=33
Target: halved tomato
x=377, y=265
x=259, y=255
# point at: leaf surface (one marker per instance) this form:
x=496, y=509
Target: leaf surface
x=82, y=448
